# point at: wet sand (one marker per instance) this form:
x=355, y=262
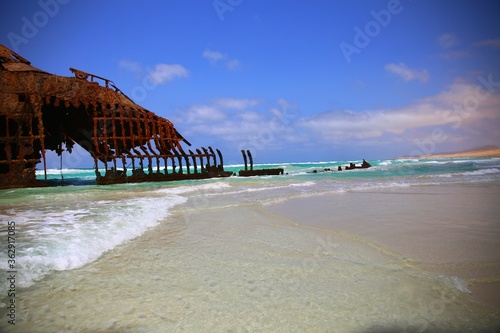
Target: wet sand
x=244, y=269
x=452, y=230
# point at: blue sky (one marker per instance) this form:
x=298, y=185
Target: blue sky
x=290, y=80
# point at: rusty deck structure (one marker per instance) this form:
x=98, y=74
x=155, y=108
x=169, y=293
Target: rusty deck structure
x=40, y=111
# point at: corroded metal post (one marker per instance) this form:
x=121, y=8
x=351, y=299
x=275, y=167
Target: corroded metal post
x=213, y=154
x=208, y=157
x=251, y=159
x=193, y=157
x=244, y=159
x=220, y=158
x=200, y=155
x=186, y=159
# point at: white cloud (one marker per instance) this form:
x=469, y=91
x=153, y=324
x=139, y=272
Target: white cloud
x=213, y=56
x=447, y=40
x=235, y=103
x=219, y=111
x=461, y=106
x=159, y=74
x=465, y=113
x=164, y=73
x=216, y=56
x=203, y=114
x=406, y=73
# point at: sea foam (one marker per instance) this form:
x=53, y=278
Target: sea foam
x=50, y=238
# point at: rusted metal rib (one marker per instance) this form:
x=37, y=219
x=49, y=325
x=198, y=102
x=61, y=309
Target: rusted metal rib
x=245, y=159
x=250, y=158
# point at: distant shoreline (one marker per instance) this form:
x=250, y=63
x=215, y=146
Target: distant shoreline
x=490, y=151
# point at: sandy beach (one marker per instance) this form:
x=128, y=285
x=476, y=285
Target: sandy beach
x=403, y=246
x=490, y=151
x=246, y=269
x=451, y=230
x=472, y=154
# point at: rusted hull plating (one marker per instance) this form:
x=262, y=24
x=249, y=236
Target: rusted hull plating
x=40, y=111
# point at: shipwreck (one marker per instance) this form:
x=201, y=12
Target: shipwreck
x=40, y=111
x=247, y=157
x=352, y=166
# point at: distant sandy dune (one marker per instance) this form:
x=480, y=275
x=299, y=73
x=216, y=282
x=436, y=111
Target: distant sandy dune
x=487, y=151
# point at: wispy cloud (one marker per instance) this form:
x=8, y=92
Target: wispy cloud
x=447, y=41
x=406, y=73
x=235, y=103
x=222, y=110
x=215, y=56
x=449, y=51
x=455, y=54
x=132, y=66
x=495, y=43
x=236, y=121
x=158, y=74
x=163, y=73
x=232, y=64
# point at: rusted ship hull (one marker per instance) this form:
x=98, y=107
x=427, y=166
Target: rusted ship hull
x=159, y=177
x=40, y=111
x=260, y=172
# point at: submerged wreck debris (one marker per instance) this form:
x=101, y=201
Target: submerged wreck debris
x=40, y=111
x=351, y=166
x=259, y=172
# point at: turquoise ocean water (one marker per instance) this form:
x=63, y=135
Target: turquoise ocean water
x=76, y=224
